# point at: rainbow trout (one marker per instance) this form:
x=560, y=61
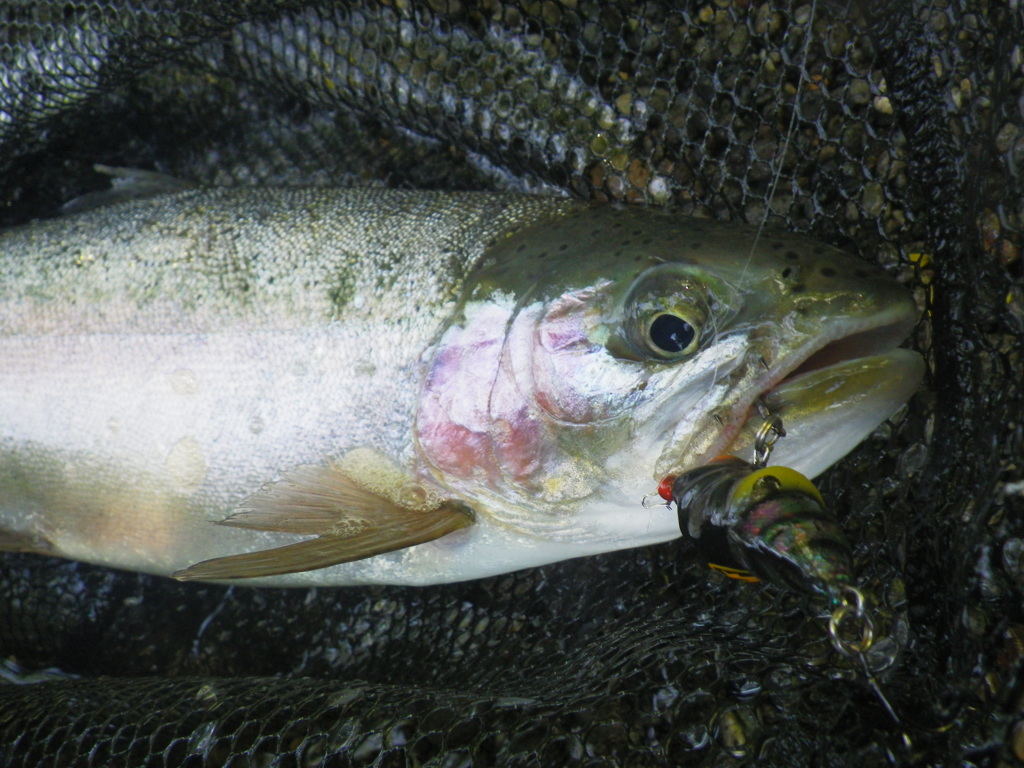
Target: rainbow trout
x=325, y=387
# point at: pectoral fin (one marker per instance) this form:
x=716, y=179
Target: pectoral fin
x=357, y=508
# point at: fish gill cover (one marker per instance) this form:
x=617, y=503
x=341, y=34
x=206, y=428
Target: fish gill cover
x=897, y=132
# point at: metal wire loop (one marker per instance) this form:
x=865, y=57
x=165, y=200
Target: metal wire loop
x=652, y=500
x=768, y=434
x=855, y=612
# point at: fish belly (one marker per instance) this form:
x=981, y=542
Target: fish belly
x=121, y=449
x=125, y=450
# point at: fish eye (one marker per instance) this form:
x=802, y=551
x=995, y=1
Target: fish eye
x=666, y=315
x=670, y=336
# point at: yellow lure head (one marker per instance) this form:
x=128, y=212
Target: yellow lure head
x=768, y=481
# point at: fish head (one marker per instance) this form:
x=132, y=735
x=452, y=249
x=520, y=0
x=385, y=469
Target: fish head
x=594, y=354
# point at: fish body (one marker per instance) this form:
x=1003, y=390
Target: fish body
x=349, y=363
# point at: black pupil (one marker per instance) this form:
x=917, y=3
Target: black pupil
x=671, y=334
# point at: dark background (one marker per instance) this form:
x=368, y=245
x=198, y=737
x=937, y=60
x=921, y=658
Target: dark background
x=897, y=132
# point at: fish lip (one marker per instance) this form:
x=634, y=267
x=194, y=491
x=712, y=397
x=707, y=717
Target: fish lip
x=873, y=338
x=869, y=337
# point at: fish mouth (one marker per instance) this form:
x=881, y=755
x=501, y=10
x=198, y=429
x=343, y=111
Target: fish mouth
x=855, y=346
x=830, y=395
x=826, y=411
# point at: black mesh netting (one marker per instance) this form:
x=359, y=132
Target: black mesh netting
x=907, y=139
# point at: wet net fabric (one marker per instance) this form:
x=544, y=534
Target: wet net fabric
x=894, y=130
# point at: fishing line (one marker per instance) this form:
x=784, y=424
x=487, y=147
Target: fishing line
x=790, y=131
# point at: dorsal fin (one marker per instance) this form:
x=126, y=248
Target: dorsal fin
x=353, y=519
x=126, y=184
x=20, y=541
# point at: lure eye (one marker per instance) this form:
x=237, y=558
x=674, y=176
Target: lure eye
x=671, y=336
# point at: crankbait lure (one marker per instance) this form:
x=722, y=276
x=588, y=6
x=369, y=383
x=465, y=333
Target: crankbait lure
x=753, y=521
x=770, y=522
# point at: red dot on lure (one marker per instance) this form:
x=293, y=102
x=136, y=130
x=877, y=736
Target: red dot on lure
x=665, y=487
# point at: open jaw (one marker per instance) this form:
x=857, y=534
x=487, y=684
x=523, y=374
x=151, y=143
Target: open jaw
x=830, y=395
x=835, y=398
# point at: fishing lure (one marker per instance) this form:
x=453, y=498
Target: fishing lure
x=768, y=522
x=753, y=521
